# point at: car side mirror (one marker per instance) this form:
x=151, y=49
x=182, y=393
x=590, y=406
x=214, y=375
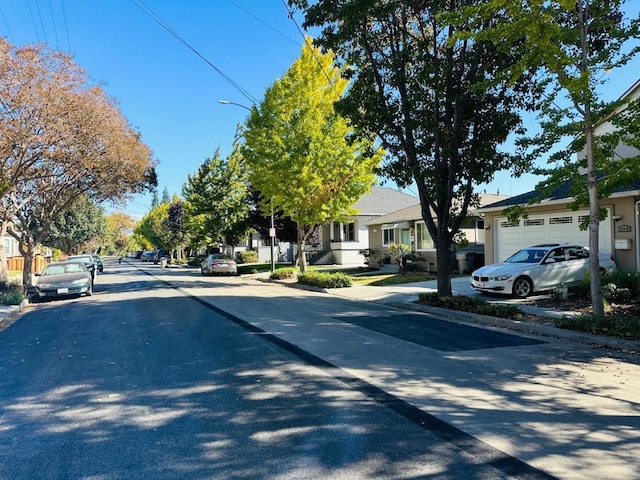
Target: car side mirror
x=37, y=274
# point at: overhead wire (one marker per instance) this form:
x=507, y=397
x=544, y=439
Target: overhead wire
x=53, y=22
x=263, y=22
x=33, y=20
x=66, y=27
x=6, y=24
x=140, y=4
x=305, y=36
x=44, y=31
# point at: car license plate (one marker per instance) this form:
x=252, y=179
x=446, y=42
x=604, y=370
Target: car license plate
x=62, y=290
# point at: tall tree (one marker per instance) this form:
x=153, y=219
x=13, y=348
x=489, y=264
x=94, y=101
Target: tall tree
x=572, y=44
x=217, y=200
x=431, y=99
x=302, y=155
x=119, y=232
x=86, y=149
x=74, y=227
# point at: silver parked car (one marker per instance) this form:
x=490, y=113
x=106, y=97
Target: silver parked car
x=536, y=269
x=62, y=279
x=218, y=263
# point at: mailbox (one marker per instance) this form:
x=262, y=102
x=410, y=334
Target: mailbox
x=623, y=244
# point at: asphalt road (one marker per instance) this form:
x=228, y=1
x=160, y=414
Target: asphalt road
x=169, y=374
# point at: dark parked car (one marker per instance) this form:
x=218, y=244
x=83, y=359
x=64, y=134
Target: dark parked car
x=62, y=279
x=148, y=255
x=218, y=263
x=89, y=262
x=160, y=254
x=99, y=263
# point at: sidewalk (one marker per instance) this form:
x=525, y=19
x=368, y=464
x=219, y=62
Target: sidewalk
x=404, y=295
x=8, y=313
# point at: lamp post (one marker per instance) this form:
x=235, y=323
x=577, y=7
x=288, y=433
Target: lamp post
x=272, y=230
x=227, y=102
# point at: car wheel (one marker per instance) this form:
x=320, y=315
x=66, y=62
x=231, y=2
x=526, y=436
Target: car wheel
x=522, y=287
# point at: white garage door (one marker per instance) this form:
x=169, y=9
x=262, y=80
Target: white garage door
x=548, y=228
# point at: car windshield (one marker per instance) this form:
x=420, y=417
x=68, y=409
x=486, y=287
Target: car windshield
x=219, y=256
x=526, y=256
x=63, y=268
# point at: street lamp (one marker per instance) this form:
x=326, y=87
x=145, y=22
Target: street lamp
x=272, y=230
x=227, y=102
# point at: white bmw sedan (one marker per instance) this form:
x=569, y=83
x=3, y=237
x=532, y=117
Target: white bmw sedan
x=537, y=269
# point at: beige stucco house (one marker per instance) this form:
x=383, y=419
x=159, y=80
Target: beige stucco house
x=551, y=221
x=407, y=227
x=342, y=243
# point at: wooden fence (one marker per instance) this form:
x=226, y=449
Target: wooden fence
x=17, y=263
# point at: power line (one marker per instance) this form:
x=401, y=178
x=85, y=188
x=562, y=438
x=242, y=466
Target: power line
x=53, y=21
x=306, y=42
x=263, y=22
x=66, y=28
x=140, y=4
x=6, y=24
x=44, y=32
x=33, y=21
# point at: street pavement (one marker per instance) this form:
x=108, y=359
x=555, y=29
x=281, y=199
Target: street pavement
x=563, y=407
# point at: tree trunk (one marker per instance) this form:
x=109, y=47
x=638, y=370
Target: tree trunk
x=302, y=258
x=597, y=300
x=4, y=268
x=28, y=253
x=443, y=264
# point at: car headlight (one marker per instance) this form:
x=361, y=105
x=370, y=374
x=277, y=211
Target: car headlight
x=502, y=278
x=44, y=285
x=80, y=281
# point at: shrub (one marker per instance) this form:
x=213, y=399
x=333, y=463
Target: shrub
x=470, y=304
x=613, y=293
x=325, y=279
x=621, y=326
x=283, y=273
x=248, y=256
x=11, y=293
x=624, y=279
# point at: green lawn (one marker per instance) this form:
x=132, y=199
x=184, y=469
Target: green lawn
x=392, y=278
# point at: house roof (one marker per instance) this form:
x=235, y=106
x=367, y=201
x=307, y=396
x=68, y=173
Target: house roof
x=560, y=194
x=414, y=212
x=382, y=200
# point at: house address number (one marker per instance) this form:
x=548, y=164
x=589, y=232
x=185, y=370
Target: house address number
x=624, y=228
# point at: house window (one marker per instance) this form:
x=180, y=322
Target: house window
x=335, y=236
x=388, y=236
x=349, y=232
x=423, y=239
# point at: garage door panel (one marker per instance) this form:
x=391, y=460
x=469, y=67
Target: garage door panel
x=546, y=228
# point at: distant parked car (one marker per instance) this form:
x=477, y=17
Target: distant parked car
x=138, y=254
x=89, y=262
x=62, y=279
x=99, y=263
x=160, y=254
x=148, y=255
x=217, y=263
x=536, y=269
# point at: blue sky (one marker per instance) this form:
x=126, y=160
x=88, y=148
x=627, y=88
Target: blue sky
x=170, y=93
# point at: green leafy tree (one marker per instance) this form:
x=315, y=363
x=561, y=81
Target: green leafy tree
x=152, y=225
x=434, y=102
x=303, y=157
x=75, y=227
x=217, y=201
x=118, y=235
x=572, y=44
